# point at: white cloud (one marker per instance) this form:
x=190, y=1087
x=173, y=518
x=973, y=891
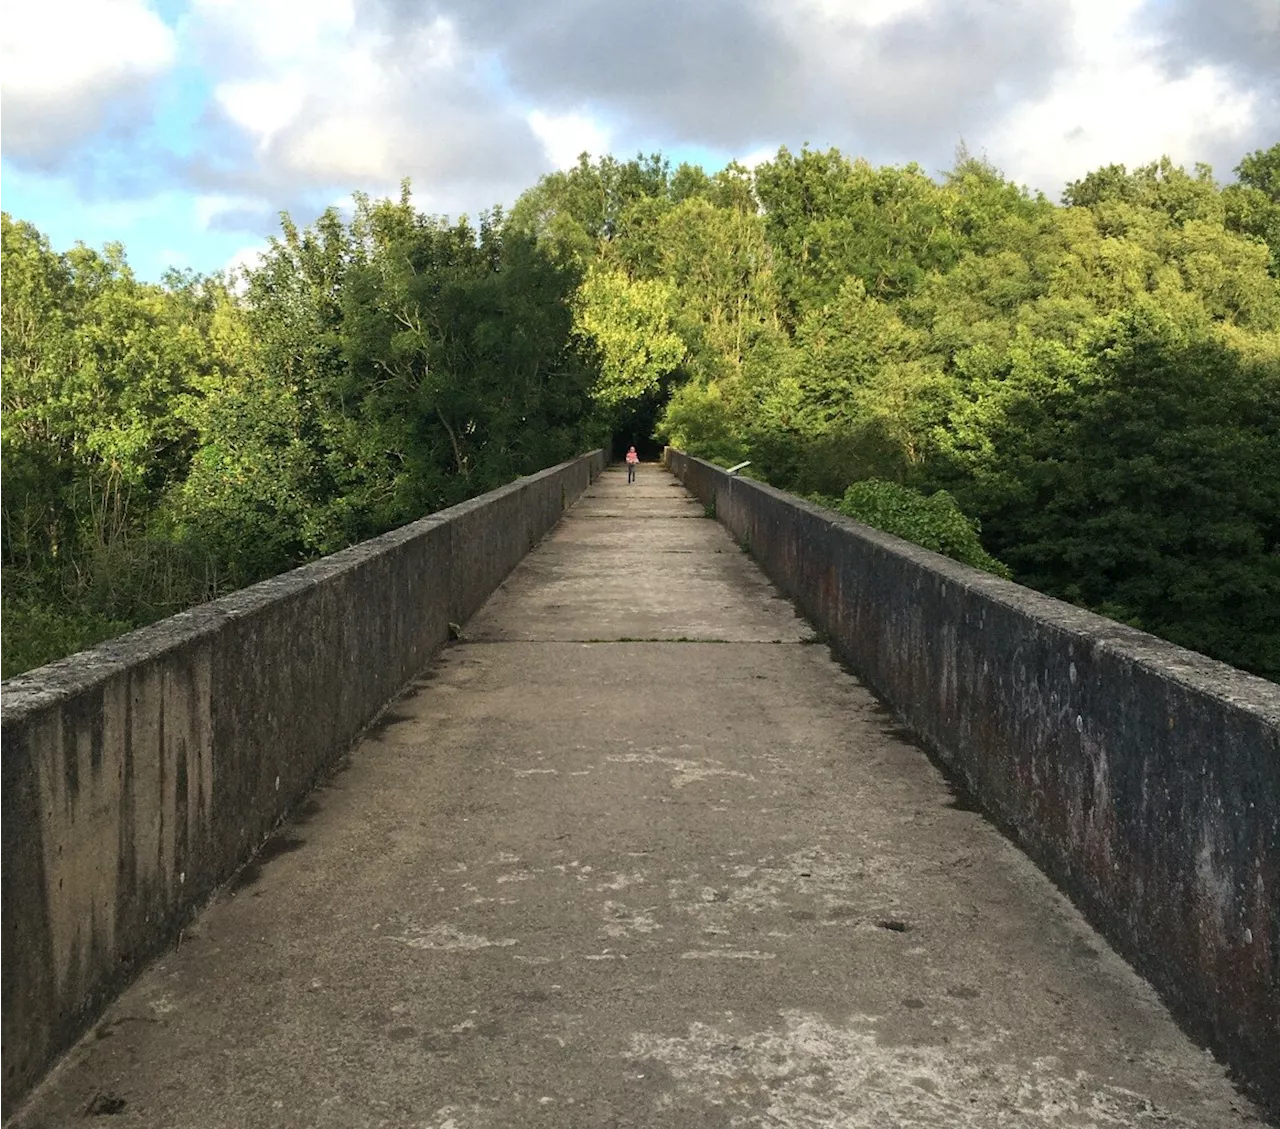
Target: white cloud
x=64, y=64
x=565, y=137
x=868, y=13
x=246, y=259
x=347, y=103
x=207, y=208
x=274, y=32
x=1113, y=103
x=342, y=145
x=277, y=58
x=758, y=156
x=263, y=107
x=248, y=256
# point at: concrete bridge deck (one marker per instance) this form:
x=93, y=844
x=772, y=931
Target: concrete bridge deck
x=634, y=852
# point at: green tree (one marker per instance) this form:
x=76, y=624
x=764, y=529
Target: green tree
x=1252, y=206
x=1260, y=170
x=1138, y=477
x=571, y=213
x=630, y=323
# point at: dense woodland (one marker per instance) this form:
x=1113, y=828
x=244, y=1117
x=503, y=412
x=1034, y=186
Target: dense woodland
x=1082, y=395
x=166, y=444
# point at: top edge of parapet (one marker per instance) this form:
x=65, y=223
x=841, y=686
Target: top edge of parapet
x=1195, y=671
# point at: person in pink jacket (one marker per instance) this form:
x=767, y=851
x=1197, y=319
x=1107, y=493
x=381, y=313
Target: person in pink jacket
x=632, y=459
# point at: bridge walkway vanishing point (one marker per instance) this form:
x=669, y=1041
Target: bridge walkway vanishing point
x=634, y=853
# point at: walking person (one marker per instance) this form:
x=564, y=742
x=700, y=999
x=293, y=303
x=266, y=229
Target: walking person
x=632, y=460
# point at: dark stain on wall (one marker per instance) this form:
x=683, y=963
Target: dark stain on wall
x=26, y=981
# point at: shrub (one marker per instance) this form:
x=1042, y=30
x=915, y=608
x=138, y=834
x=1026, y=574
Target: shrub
x=932, y=521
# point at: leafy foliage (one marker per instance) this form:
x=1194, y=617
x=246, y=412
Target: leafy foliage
x=1092, y=382
x=163, y=444
x=37, y=633
x=1095, y=385
x=932, y=521
x=629, y=321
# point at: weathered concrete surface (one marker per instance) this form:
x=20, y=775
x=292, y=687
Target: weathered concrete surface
x=577, y=883
x=139, y=775
x=1144, y=778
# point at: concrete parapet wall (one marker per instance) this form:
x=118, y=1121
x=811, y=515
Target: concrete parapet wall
x=138, y=776
x=1142, y=777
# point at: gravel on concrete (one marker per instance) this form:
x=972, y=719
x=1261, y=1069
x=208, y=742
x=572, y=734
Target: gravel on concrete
x=636, y=851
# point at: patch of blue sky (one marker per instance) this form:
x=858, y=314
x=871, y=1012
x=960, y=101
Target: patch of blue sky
x=171, y=11
x=159, y=229
x=127, y=185
x=711, y=160
x=181, y=101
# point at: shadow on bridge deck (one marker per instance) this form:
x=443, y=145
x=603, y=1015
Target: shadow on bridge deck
x=634, y=853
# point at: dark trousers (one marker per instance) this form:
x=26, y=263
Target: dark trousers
x=631, y=472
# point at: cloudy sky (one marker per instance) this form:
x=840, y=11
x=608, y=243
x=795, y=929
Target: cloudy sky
x=183, y=127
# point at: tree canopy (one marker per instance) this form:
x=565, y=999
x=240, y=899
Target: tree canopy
x=1084, y=395
x=1092, y=384
x=166, y=443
